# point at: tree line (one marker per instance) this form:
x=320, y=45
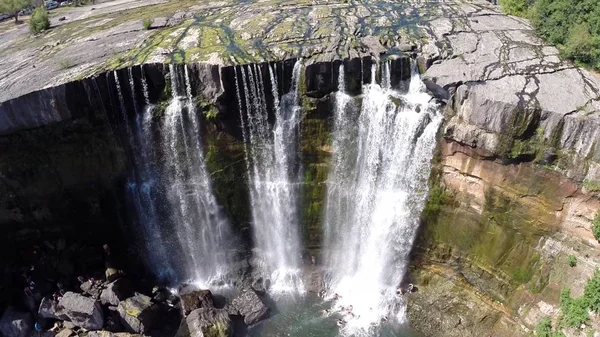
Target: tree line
x=572, y=25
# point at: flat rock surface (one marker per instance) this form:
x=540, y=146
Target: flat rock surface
x=111, y=34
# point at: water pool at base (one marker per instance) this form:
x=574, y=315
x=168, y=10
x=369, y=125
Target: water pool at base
x=302, y=317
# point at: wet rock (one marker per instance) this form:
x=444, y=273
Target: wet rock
x=206, y=322
x=138, y=313
x=260, y=285
x=231, y=310
x=50, y=309
x=66, y=333
x=82, y=311
x=436, y=90
x=116, y=291
x=15, y=324
x=250, y=306
x=196, y=299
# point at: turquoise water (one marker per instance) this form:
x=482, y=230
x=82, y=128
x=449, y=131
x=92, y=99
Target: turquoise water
x=302, y=317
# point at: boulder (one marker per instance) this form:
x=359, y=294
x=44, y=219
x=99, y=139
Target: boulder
x=66, y=333
x=91, y=289
x=231, y=310
x=196, y=299
x=137, y=313
x=115, y=292
x=206, y=322
x=250, y=306
x=82, y=311
x=15, y=324
x=50, y=309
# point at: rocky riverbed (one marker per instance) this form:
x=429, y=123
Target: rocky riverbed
x=114, y=302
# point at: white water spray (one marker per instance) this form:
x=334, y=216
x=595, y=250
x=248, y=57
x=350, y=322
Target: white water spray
x=272, y=171
x=202, y=230
x=377, y=188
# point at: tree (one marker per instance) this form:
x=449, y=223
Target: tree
x=39, y=20
x=13, y=7
x=515, y=7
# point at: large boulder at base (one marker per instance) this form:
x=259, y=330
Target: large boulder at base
x=250, y=306
x=15, y=324
x=206, y=322
x=51, y=309
x=138, y=313
x=116, y=291
x=82, y=311
x=196, y=299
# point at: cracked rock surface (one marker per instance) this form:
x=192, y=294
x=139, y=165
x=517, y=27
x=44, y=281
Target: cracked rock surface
x=507, y=79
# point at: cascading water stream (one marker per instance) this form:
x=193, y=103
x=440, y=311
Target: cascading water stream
x=175, y=198
x=141, y=185
x=272, y=172
x=377, y=187
x=197, y=219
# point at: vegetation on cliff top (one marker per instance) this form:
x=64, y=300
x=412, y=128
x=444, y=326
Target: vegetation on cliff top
x=596, y=226
x=573, y=26
x=39, y=20
x=575, y=310
x=13, y=7
x=544, y=329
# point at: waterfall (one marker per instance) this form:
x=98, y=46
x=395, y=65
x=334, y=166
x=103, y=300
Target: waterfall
x=185, y=234
x=196, y=218
x=377, y=188
x=271, y=157
x=141, y=185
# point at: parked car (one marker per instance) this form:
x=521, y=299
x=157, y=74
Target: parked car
x=51, y=5
x=4, y=17
x=26, y=11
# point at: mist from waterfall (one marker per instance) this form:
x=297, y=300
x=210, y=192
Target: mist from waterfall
x=186, y=234
x=271, y=158
x=377, y=188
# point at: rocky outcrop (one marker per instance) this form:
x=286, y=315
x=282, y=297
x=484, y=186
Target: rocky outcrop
x=82, y=311
x=206, y=322
x=116, y=291
x=51, y=309
x=514, y=97
x=138, y=314
x=196, y=299
x=250, y=306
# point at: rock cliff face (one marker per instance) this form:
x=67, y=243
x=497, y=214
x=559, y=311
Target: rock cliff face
x=516, y=184
x=517, y=174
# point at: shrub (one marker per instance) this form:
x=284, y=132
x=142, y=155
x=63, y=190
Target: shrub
x=580, y=45
x=64, y=63
x=574, y=310
x=39, y=20
x=515, y=7
x=544, y=328
x=147, y=24
x=591, y=292
x=596, y=226
x=572, y=261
